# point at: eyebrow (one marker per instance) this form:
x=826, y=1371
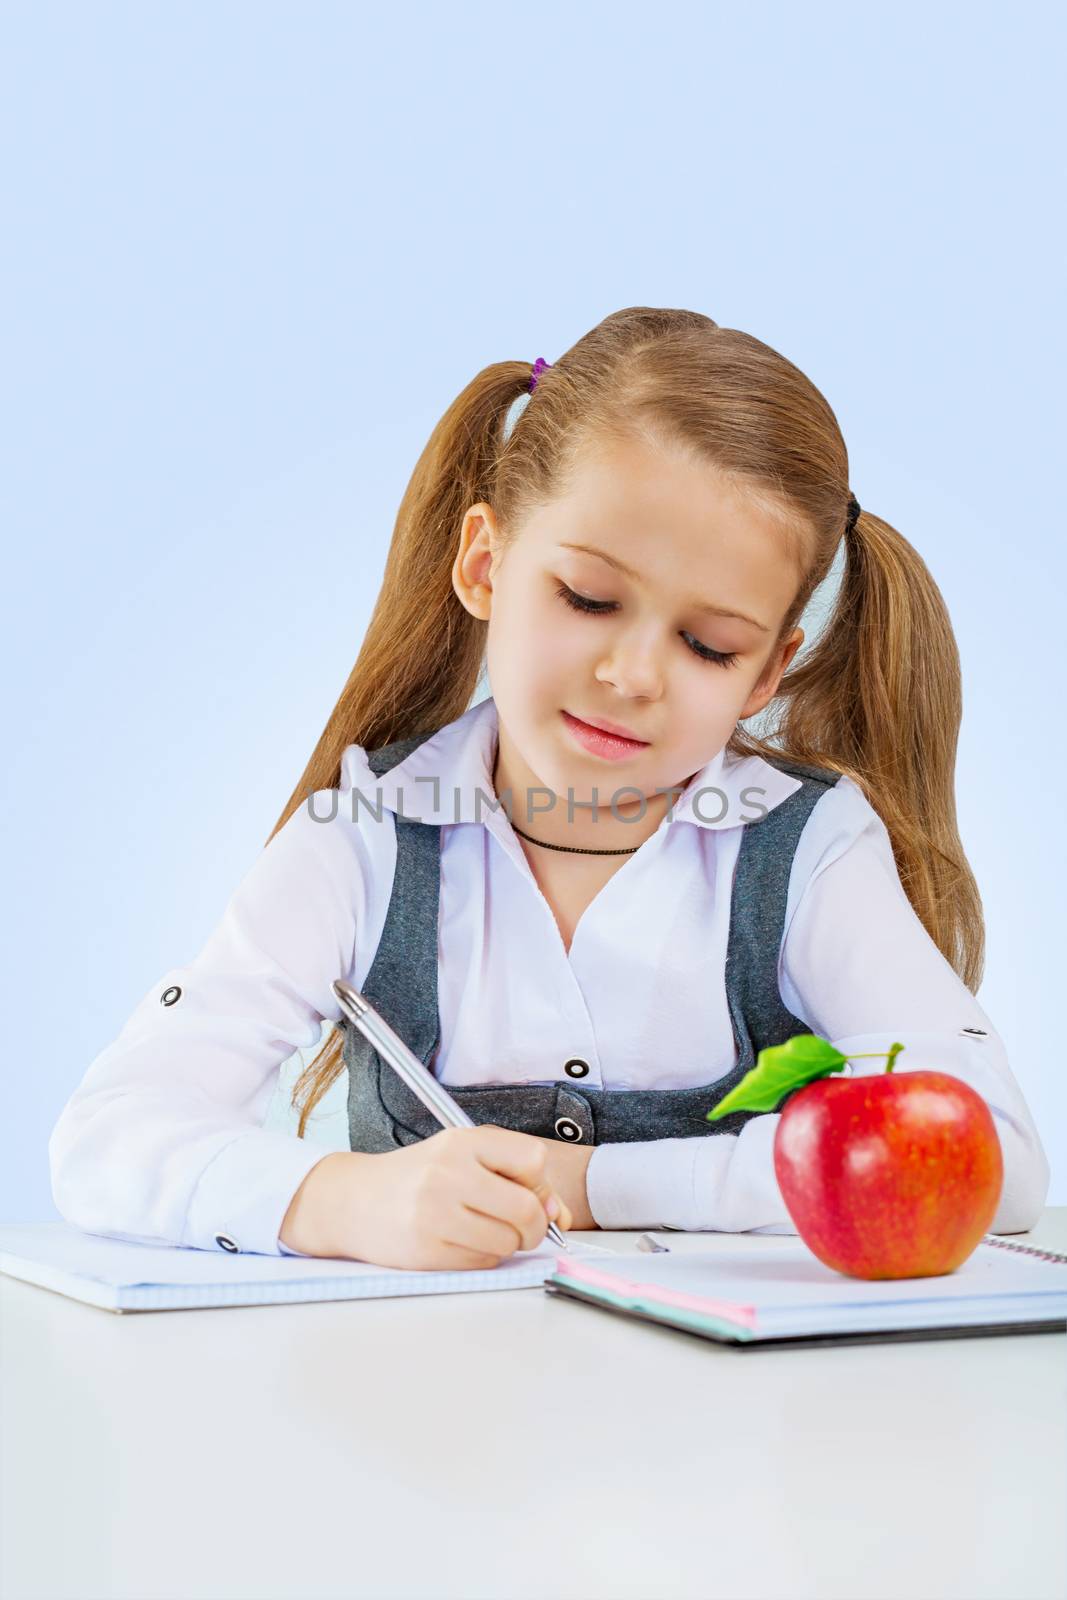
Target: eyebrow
x=628, y=572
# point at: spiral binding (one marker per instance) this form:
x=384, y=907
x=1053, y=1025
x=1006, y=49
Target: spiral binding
x=1025, y=1249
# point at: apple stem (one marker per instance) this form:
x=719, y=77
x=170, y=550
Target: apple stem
x=890, y=1055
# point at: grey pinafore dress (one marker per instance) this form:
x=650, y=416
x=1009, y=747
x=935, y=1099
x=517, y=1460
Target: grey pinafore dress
x=384, y=1114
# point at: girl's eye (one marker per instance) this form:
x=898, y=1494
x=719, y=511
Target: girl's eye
x=578, y=602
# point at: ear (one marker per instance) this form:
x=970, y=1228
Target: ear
x=771, y=677
x=478, y=545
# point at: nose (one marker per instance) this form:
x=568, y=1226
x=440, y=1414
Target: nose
x=633, y=668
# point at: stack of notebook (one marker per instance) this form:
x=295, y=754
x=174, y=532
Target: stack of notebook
x=753, y=1295
x=781, y=1294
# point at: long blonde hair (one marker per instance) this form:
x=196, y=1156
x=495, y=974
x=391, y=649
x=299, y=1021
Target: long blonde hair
x=878, y=694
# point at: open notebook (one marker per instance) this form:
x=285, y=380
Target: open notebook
x=782, y=1294
x=118, y=1275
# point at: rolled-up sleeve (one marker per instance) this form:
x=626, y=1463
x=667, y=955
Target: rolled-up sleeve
x=858, y=967
x=162, y=1141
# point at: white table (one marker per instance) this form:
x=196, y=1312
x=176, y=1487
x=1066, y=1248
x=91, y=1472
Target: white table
x=514, y=1446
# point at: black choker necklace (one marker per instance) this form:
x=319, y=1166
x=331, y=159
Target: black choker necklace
x=574, y=849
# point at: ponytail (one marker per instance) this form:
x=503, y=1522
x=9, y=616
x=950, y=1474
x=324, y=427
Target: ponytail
x=421, y=656
x=879, y=698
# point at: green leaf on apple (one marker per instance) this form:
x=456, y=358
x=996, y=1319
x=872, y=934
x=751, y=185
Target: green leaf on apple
x=781, y=1068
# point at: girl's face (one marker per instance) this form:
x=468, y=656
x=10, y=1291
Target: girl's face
x=663, y=625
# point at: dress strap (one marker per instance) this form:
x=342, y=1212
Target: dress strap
x=757, y=915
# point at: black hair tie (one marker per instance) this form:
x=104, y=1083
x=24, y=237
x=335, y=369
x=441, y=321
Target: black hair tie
x=853, y=513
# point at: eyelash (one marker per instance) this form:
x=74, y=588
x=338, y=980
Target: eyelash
x=577, y=602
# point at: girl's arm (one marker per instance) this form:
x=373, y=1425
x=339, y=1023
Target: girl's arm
x=858, y=965
x=163, y=1143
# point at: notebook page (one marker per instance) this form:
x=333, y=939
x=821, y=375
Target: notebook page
x=120, y=1274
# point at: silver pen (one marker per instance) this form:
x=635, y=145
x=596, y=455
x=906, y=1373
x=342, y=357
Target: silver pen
x=434, y=1096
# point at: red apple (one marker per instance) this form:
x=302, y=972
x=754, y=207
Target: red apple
x=889, y=1175
x=892, y=1175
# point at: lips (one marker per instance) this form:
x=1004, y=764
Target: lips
x=614, y=728
x=604, y=746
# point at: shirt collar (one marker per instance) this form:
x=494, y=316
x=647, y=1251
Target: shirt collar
x=449, y=778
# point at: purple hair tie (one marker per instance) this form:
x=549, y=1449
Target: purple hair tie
x=539, y=366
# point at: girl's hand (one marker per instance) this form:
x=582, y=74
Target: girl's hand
x=565, y=1174
x=464, y=1198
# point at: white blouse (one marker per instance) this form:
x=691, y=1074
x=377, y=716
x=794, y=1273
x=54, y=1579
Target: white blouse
x=163, y=1140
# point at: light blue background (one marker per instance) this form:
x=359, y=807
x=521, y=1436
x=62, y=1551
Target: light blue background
x=253, y=252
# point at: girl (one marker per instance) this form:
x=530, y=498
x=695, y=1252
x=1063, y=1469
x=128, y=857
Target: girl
x=589, y=899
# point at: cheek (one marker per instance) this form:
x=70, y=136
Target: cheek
x=529, y=648
x=513, y=627
x=546, y=628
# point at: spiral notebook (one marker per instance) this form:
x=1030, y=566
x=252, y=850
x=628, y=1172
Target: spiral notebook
x=782, y=1294
x=118, y=1275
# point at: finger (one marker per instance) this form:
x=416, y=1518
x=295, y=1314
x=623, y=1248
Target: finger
x=461, y=1258
x=523, y=1158
x=520, y=1156
x=473, y=1230
x=522, y=1208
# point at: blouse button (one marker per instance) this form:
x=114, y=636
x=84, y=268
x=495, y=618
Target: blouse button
x=567, y=1128
x=168, y=997
x=576, y=1068
x=226, y=1243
